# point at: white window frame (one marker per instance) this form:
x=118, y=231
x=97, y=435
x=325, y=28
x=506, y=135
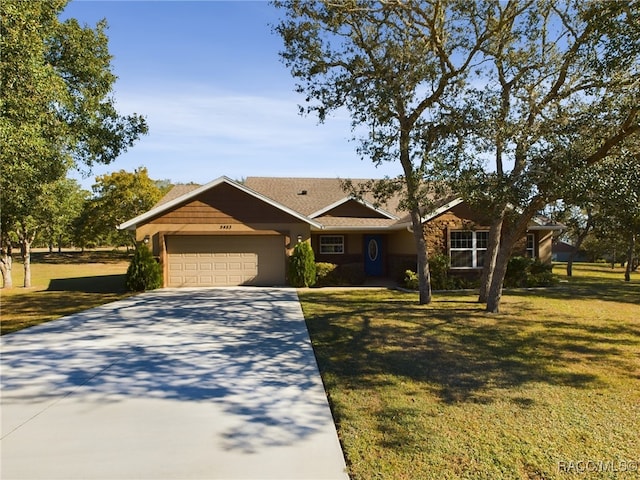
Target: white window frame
x=530, y=247
x=332, y=246
x=473, y=249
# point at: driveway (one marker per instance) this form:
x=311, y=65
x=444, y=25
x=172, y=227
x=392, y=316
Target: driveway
x=170, y=384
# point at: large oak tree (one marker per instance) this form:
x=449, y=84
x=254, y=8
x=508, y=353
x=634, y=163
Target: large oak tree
x=561, y=95
x=534, y=89
x=56, y=109
x=394, y=65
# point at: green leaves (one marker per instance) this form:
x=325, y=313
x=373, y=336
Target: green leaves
x=55, y=105
x=144, y=273
x=118, y=197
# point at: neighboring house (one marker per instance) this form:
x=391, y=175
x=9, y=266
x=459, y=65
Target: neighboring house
x=561, y=251
x=231, y=233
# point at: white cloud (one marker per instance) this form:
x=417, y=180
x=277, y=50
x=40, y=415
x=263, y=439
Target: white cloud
x=198, y=133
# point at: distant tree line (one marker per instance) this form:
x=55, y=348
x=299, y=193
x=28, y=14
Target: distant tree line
x=79, y=218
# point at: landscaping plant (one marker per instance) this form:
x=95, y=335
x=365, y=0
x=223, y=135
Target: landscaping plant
x=144, y=273
x=302, y=266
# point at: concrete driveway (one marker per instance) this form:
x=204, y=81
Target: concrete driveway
x=170, y=384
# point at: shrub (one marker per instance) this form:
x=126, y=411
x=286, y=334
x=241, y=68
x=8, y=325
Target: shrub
x=541, y=275
x=411, y=280
x=302, y=266
x=325, y=274
x=525, y=272
x=439, y=271
x=144, y=273
x=331, y=275
x=517, y=271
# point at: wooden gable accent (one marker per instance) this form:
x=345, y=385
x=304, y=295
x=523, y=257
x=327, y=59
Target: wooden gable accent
x=353, y=209
x=224, y=204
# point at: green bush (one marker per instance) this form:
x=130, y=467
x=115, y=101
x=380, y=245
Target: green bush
x=144, y=273
x=525, y=272
x=439, y=271
x=517, y=272
x=302, y=266
x=411, y=280
x=541, y=275
x=332, y=275
x=325, y=274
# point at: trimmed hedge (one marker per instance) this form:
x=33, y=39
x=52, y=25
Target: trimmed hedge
x=332, y=275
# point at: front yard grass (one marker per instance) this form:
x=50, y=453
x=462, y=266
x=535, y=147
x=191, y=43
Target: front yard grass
x=62, y=284
x=548, y=389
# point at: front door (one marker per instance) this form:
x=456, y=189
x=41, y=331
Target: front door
x=373, y=255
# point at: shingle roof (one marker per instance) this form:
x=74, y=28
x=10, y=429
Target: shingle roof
x=318, y=193
x=307, y=196
x=177, y=191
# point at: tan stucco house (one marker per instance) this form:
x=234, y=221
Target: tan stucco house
x=231, y=233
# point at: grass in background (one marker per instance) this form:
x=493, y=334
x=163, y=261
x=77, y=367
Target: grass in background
x=62, y=284
x=446, y=391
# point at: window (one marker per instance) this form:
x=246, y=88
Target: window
x=332, y=244
x=467, y=248
x=531, y=245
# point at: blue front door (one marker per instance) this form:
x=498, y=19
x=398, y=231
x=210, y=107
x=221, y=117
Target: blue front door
x=373, y=255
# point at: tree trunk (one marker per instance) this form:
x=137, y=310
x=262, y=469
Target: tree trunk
x=26, y=239
x=6, y=266
x=632, y=246
x=581, y=238
x=424, y=275
x=25, y=249
x=499, y=272
x=413, y=186
x=490, y=258
x=507, y=242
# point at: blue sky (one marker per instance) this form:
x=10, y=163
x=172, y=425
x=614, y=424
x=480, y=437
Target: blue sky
x=217, y=98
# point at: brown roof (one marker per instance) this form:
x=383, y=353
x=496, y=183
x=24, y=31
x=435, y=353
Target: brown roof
x=310, y=195
x=177, y=191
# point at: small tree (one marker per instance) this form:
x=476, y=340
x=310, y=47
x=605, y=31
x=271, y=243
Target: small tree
x=302, y=266
x=144, y=273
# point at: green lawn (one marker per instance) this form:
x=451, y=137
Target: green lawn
x=550, y=388
x=62, y=284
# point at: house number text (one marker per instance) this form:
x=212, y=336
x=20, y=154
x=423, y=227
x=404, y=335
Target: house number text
x=225, y=227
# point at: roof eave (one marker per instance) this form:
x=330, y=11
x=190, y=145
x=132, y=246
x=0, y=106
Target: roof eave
x=354, y=228
x=361, y=201
x=440, y=210
x=133, y=223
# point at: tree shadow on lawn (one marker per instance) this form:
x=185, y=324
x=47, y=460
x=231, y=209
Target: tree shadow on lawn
x=460, y=353
x=89, y=256
x=91, y=284
x=64, y=296
x=611, y=290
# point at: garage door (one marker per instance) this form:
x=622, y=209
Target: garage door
x=203, y=261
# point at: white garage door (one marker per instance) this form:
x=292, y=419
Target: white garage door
x=204, y=261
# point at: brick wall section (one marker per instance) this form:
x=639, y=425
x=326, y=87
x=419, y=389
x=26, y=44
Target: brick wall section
x=436, y=231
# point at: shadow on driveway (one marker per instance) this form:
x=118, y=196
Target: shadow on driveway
x=246, y=350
